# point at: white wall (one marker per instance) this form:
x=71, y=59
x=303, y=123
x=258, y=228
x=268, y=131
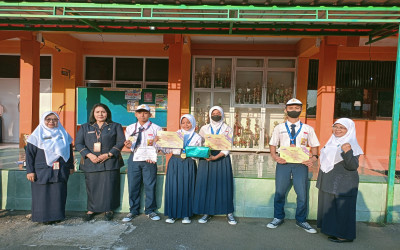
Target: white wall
x=9, y=90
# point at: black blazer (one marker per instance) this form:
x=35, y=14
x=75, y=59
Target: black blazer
x=112, y=140
x=343, y=179
x=36, y=163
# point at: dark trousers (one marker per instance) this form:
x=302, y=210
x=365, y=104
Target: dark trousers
x=283, y=174
x=138, y=171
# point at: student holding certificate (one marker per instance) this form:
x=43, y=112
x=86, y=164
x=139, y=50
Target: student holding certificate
x=214, y=182
x=338, y=183
x=142, y=163
x=100, y=142
x=292, y=133
x=49, y=162
x=181, y=175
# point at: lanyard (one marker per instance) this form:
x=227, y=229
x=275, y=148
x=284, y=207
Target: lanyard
x=98, y=134
x=212, y=130
x=187, y=142
x=134, y=132
x=292, y=138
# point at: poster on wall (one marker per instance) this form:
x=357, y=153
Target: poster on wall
x=133, y=94
x=152, y=110
x=161, y=101
x=131, y=105
x=148, y=96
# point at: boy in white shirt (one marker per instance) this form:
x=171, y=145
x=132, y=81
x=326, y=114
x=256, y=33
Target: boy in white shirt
x=292, y=133
x=140, y=138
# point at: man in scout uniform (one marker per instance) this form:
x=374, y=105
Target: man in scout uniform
x=292, y=133
x=142, y=163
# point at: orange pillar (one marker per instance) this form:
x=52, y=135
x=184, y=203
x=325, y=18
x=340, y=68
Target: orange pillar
x=326, y=91
x=175, y=80
x=302, y=84
x=63, y=91
x=29, y=88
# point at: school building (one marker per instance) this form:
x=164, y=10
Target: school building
x=340, y=58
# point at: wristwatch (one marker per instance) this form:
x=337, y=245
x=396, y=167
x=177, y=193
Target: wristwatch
x=316, y=156
x=109, y=155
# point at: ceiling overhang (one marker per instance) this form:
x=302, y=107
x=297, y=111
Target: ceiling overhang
x=377, y=22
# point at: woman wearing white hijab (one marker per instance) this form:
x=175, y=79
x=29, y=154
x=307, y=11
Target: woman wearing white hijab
x=49, y=162
x=181, y=175
x=338, y=183
x=214, y=182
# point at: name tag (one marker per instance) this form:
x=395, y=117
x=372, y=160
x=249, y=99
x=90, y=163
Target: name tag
x=91, y=132
x=56, y=165
x=97, y=147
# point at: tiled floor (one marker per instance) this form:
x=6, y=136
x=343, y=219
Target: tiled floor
x=245, y=165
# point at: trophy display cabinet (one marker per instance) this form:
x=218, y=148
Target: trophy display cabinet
x=251, y=90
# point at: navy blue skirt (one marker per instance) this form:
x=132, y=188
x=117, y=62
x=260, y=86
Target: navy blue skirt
x=48, y=201
x=179, y=187
x=214, y=187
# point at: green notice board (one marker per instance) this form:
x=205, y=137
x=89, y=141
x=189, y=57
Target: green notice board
x=115, y=100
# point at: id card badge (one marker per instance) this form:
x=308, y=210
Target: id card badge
x=56, y=165
x=97, y=147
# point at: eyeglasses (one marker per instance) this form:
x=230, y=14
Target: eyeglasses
x=51, y=120
x=339, y=128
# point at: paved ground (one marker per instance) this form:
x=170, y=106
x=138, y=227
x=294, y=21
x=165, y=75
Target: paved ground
x=18, y=232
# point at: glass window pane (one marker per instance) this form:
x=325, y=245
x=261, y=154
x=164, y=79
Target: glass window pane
x=273, y=116
x=349, y=103
x=385, y=103
x=129, y=69
x=223, y=76
x=129, y=85
x=9, y=66
x=201, y=106
x=99, y=68
x=311, y=103
x=156, y=70
x=248, y=87
x=156, y=86
x=279, y=87
x=281, y=63
x=246, y=129
x=202, y=75
x=258, y=63
x=45, y=67
x=99, y=84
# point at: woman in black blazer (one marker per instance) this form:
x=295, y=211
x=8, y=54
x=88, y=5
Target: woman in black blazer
x=49, y=162
x=338, y=183
x=100, y=142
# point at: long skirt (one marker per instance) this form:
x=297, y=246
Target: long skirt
x=214, y=187
x=179, y=187
x=103, y=190
x=337, y=215
x=48, y=201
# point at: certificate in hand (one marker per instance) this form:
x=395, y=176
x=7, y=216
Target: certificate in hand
x=218, y=142
x=145, y=153
x=167, y=139
x=295, y=154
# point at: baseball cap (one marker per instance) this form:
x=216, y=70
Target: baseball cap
x=143, y=107
x=294, y=101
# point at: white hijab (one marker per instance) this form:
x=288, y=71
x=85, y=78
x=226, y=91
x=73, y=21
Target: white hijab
x=216, y=125
x=54, y=141
x=331, y=153
x=192, y=121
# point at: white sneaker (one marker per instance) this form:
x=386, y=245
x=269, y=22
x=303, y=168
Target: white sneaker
x=275, y=223
x=170, y=220
x=204, y=219
x=231, y=219
x=153, y=216
x=129, y=217
x=186, y=220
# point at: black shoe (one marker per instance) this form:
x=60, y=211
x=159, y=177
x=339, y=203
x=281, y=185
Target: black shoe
x=88, y=217
x=337, y=240
x=108, y=216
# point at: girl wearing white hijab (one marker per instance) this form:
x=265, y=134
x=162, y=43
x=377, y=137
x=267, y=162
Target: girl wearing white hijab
x=49, y=162
x=181, y=175
x=338, y=183
x=214, y=182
